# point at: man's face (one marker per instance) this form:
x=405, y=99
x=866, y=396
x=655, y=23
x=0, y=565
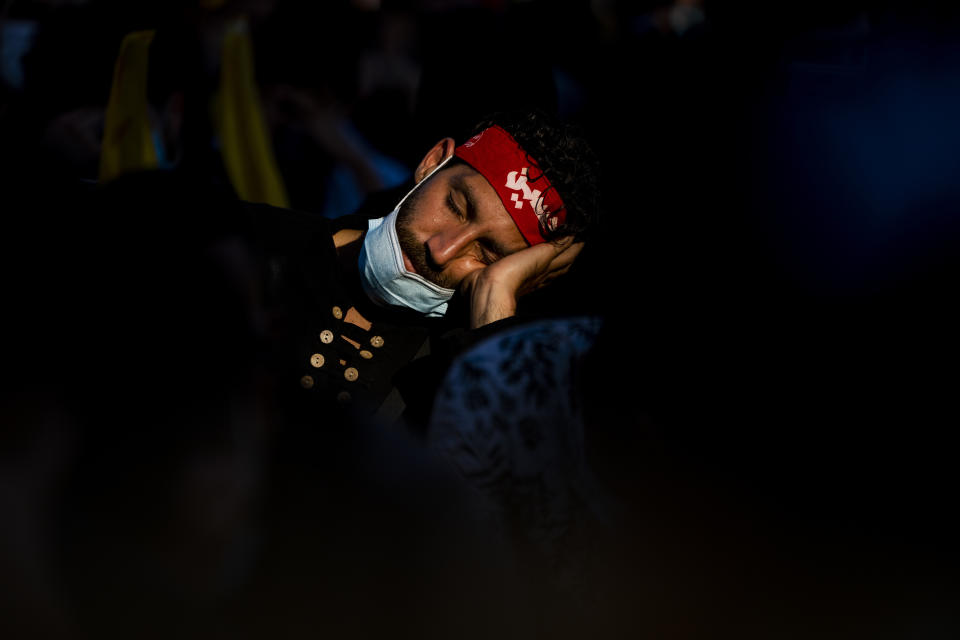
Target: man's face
x=454, y=224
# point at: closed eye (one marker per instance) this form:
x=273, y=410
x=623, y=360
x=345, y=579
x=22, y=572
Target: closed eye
x=453, y=207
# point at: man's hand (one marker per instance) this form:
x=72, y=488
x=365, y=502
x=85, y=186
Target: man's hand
x=493, y=290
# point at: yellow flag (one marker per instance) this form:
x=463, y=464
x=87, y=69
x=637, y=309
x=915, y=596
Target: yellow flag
x=244, y=135
x=127, y=140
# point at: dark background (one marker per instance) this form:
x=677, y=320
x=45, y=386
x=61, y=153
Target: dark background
x=774, y=390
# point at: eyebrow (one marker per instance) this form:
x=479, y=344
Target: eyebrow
x=459, y=183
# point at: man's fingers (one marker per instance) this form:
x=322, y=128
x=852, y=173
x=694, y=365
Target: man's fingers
x=530, y=268
x=571, y=251
x=564, y=256
x=546, y=261
x=562, y=245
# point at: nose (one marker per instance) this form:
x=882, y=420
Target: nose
x=449, y=243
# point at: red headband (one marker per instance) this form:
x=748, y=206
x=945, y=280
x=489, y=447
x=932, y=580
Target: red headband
x=528, y=196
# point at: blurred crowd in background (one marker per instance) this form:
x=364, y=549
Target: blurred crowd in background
x=769, y=401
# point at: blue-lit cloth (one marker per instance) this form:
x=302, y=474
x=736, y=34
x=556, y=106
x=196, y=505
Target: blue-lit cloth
x=509, y=417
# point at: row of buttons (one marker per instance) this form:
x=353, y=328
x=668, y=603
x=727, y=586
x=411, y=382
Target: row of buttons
x=350, y=374
x=326, y=337
x=343, y=397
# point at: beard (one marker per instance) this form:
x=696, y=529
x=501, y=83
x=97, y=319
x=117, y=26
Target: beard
x=415, y=250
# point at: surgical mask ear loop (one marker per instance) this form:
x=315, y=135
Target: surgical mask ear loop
x=424, y=179
x=382, y=272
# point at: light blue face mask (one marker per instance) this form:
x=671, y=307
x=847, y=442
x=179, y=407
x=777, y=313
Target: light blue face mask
x=385, y=279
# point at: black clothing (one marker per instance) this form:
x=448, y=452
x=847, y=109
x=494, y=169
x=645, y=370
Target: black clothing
x=329, y=367
x=327, y=371
x=193, y=493
x=126, y=266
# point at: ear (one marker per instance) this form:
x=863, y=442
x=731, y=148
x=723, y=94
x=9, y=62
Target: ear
x=437, y=154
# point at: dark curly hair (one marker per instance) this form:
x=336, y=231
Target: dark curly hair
x=562, y=152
